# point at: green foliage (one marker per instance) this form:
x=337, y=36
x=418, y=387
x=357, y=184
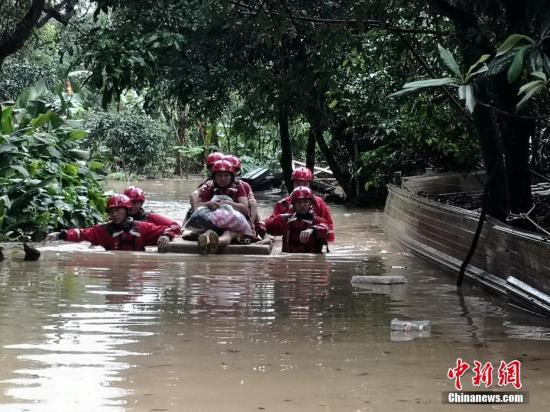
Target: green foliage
x=47, y=180
x=136, y=142
x=17, y=75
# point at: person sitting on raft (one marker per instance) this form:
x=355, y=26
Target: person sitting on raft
x=137, y=196
x=302, y=230
x=121, y=232
x=252, y=204
x=222, y=186
x=194, y=197
x=302, y=176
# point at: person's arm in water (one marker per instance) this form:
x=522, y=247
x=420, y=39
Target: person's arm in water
x=154, y=235
x=96, y=235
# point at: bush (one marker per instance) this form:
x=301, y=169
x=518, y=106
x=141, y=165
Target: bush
x=137, y=143
x=46, y=180
x=15, y=76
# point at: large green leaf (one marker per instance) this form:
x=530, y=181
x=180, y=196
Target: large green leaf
x=528, y=86
x=449, y=60
x=70, y=169
x=42, y=119
x=529, y=95
x=470, y=98
x=5, y=204
x=511, y=42
x=6, y=125
x=21, y=170
x=516, y=68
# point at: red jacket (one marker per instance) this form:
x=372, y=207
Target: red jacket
x=157, y=220
x=130, y=235
x=290, y=225
x=208, y=190
x=247, y=189
x=320, y=209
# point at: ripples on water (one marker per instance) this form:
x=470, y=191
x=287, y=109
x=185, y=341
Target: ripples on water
x=88, y=330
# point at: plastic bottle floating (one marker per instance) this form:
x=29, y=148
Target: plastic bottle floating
x=411, y=325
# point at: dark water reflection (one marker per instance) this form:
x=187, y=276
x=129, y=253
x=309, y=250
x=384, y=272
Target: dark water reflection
x=83, y=329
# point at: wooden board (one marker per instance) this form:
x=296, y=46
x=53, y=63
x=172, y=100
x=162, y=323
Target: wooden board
x=190, y=247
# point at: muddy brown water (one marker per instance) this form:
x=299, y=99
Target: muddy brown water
x=87, y=330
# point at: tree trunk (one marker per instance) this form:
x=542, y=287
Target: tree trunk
x=310, y=150
x=333, y=164
x=181, y=140
x=14, y=41
x=286, y=149
x=489, y=139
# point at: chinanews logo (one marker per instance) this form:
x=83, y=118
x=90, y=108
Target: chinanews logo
x=508, y=375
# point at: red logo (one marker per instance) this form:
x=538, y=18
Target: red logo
x=508, y=373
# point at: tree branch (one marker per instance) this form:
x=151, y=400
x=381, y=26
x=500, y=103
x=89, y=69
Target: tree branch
x=55, y=13
x=371, y=24
x=23, y=30
x=454, y=13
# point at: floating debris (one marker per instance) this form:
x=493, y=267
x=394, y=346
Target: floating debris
x=378, y=280
x=31, y=253
x=411, y=325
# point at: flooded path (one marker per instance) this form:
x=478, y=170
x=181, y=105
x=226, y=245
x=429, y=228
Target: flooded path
x=87, y=330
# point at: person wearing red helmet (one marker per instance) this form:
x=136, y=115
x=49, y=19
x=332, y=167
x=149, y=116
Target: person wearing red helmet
x=302, y=230
x=194, y=197
x=137, y=196
x=213, y=158
x=121, y=232
x=302, y=176
x=222, y=185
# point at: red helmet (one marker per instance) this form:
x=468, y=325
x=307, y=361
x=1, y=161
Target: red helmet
x=222, y=166
x=302, y=192
x=119, y=201
x=135, y=194
x=213, y=158
x=234, y=160
x=302, y=173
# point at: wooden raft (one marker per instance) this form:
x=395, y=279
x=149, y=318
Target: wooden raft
x=191, y=247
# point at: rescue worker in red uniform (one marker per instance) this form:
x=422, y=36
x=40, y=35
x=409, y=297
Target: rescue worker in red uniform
x=121, y=232
x=302, y=230
x=194, y=197
x=302, y=176
x=252, y=204
x=137, y=196
x=222, y=183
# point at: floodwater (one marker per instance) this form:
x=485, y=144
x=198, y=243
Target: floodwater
x=87, y=330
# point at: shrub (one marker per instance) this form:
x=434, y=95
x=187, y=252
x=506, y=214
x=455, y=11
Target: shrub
x=137, y=143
